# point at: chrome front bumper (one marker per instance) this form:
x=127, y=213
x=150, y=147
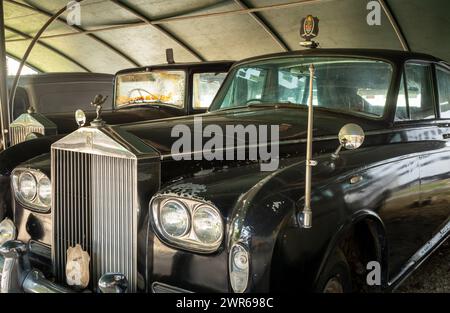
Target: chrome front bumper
x=34, y=282
x=17, y=275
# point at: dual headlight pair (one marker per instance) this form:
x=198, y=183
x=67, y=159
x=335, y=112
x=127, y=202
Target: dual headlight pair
x=32, y=188
x=187, y=223
x=197, y=226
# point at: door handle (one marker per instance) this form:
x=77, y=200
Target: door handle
x=446, y=136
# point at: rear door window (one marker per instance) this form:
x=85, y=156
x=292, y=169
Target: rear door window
x=420, y=91
x=443, y=80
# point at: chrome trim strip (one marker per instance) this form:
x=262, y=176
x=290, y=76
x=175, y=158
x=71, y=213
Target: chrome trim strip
x=421, y=255
x=303, y=140
x=158, y=287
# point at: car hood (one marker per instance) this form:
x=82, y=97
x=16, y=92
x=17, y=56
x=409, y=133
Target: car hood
x=66, y=123
x=292, y=124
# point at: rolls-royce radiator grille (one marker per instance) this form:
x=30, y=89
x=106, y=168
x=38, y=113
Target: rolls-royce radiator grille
x=94, y=206
x=19, y=133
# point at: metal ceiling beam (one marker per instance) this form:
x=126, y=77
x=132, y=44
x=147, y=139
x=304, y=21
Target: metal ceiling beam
x=278, y=6
x=175, y=19
x=85, y=32
x=264, y=25
x=395, y=25
x=78, y=29
x=125, y=25
x=166, y=32
x=60, y=53
x=4, y=107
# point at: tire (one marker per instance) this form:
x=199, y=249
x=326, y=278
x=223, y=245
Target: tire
x=335, y=277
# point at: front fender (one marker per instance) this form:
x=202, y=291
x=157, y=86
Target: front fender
x=15, y=155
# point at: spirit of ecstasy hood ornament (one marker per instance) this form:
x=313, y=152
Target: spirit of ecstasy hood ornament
x=98, y=102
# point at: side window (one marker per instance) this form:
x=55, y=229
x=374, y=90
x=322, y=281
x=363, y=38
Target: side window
x=443, y=79
x=420, y=91
x=205, y=88
x=401, y=114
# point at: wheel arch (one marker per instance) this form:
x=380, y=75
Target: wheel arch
x=364, y=226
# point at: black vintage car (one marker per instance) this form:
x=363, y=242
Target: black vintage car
x=163, y=220
x=140, y=94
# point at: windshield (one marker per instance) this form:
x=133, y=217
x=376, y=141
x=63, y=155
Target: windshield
x=151, y=88
x=344, y=84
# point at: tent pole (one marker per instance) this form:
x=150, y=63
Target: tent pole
x=4, y=107
x=395, y=25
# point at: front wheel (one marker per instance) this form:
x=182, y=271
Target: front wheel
x=335, y=277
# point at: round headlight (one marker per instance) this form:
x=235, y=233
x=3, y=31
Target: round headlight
x=45, y=191
x=175, y=218
x=7, y=231
x=207, y=225
x=27, y=186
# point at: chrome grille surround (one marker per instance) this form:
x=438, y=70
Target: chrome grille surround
x=28, y=123
x=95, y=203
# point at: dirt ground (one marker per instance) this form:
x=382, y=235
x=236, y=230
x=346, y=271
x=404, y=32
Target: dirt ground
x=433, y=276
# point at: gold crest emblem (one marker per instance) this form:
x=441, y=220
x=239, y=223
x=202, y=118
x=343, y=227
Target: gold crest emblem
x=77, y=267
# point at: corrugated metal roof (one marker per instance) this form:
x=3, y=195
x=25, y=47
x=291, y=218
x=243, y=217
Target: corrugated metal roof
x=118, y=34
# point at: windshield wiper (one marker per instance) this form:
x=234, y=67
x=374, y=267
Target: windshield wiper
x=146, y=103
x=289, y=105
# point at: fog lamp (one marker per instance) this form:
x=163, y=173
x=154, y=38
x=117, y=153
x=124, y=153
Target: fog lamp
x=7, y=231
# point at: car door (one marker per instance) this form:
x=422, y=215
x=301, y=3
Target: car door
x=410, y=232
x=429, y=90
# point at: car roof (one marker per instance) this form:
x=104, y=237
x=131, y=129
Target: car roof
x=384, y=54
x=225, y=64
x=46, y=78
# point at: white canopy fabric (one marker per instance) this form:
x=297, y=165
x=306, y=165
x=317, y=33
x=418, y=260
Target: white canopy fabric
x=118, y=34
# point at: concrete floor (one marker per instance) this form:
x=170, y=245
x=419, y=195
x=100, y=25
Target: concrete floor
x=433, y=276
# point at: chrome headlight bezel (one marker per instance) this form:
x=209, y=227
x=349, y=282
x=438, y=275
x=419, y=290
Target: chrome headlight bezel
x=188, y=241
x=35, y=204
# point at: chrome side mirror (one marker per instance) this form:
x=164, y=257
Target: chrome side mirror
x=351, y=137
